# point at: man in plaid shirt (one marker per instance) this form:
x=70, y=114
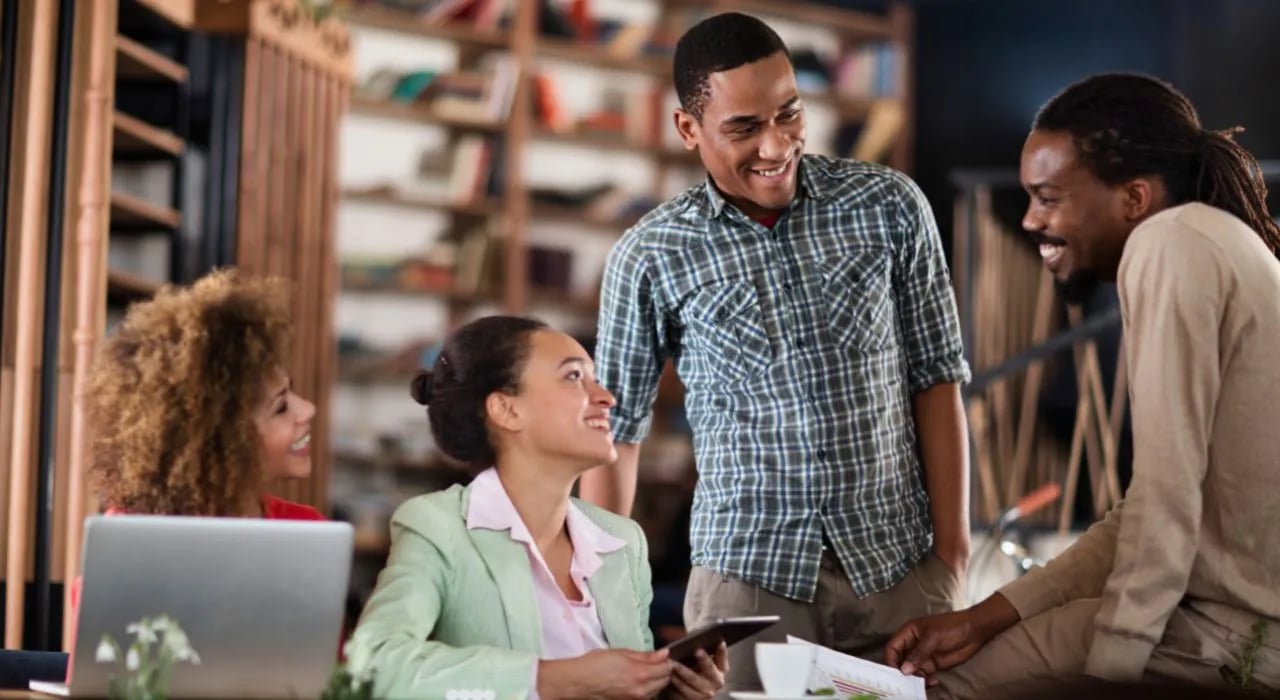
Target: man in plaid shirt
x=806, y=304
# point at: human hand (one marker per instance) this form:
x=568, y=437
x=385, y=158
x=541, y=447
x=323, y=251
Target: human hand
x=615, y=674
x=705, y=680
x=927, y=645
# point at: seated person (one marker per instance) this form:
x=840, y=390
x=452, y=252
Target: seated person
x=192, y=412
x=1180, y=582
x=509, y=584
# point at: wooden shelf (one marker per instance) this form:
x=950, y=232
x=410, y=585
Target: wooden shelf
x=616, y=142
x=481, y=208
x=419, y=113
x=563, y=300
x=847, y=22
x=576, y=215
x=847, y=109
x=393, y=20
x=450, y=295
x=137, y=62
x=133, y=137
x=126, y=286
x=599, y=56
x=132, y=212
x=537, y=297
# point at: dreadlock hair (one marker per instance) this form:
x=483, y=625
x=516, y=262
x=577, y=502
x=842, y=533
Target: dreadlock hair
x=719, y=43
x=1126, y=125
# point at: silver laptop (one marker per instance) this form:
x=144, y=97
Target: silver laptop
x=260, y=600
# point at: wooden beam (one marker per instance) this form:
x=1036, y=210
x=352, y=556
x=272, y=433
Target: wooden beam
x=33, y=116
x=138, y=62
x=133, y=136
x=128, y=210
x=516, y=278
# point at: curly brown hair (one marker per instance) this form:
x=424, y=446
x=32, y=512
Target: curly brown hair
x=172, y=396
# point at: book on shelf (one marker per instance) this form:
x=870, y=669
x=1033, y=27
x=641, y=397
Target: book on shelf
x=478, y=258
x=550, y=268
x=484, y=96
x=483, y=14
x=548, y=107
x=469, y=177
x=629, y=40
x=867, y=71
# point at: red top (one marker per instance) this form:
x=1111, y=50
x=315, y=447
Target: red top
x=769, y=219
x=279, y=509
x=273, y=508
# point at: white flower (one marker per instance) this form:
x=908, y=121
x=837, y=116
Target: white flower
x=142, y=630
x=177, y=643
x=132, y=661
x=107, y=652
x=161, y=623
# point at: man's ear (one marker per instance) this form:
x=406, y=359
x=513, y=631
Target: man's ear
x=504, y=412
x=688, y=127
x=1142, y=196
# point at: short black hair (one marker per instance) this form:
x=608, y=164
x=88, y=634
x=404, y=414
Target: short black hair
x=484, y=356
x=719, y=43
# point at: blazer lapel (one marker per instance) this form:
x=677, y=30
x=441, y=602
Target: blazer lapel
x=508, y=564
x=616, y=602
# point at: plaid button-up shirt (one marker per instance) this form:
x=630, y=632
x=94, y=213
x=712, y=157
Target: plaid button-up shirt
x=800, y=348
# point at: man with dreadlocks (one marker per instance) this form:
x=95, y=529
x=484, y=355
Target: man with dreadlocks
x=1180, y=582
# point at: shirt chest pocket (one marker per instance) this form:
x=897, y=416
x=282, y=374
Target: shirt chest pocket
x=858, y=288
x=727, y=332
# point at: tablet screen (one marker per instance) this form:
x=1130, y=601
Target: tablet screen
x=730, y=630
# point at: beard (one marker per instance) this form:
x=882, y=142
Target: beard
x=1079, y=286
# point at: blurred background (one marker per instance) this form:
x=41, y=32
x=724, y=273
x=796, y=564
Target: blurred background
x=413, y=164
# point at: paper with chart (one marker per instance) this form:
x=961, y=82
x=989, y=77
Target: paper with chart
x=849, y=675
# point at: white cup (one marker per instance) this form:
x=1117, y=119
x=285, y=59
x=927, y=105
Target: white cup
x=784, y=668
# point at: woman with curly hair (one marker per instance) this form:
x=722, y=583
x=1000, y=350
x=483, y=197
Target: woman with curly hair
x=192, y=409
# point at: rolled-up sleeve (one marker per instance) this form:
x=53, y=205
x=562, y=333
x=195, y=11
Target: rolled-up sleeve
x=631, y=343
x=927, y=315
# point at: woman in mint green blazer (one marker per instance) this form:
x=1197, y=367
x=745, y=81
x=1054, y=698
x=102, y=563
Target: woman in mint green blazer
x=509, y=586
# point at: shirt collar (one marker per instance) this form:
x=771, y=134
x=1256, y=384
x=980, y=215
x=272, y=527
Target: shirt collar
x=809, y=183
x=490, y=508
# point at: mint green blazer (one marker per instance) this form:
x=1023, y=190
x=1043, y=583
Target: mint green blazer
x=455, y=609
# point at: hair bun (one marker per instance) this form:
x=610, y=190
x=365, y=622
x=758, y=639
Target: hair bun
x=421, y=387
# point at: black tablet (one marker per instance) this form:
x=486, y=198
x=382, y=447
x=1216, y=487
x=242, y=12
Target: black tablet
x=730, y=630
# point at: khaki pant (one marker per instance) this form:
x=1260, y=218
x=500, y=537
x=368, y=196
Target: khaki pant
x=836, y=618
x=1051, y=647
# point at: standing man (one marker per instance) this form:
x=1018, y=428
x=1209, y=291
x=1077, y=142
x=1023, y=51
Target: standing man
x=806, y=303
x=1182, y=581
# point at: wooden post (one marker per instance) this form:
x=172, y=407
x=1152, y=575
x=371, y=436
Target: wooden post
x=515, y=293
x=33, y=97
x=90, y=279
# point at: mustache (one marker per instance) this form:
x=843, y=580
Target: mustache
x=1042, y=239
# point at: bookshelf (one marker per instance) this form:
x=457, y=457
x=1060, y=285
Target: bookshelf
x=520, y=144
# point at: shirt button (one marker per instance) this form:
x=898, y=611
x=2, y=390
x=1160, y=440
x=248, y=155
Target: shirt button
x=568, y=616
x=822, y=454
x=786, y=286
x=800, y=343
